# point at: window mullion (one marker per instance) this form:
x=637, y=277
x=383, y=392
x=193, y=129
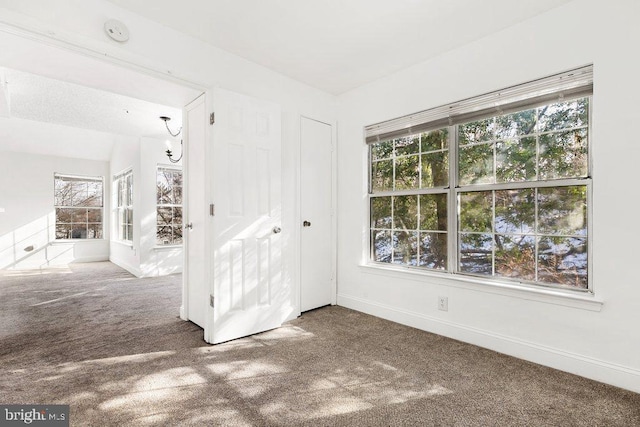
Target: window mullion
x=452, y=206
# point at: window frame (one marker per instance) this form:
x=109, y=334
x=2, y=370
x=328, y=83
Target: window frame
x=173, y=168
x=121, y=210
x=454, y=189
x=87, y=179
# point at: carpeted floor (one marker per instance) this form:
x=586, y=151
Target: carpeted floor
x=112, y=346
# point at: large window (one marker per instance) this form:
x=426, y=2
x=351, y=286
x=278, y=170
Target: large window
x=78, y=203
x=499, y=188
x=123, y=188
x=169, y=210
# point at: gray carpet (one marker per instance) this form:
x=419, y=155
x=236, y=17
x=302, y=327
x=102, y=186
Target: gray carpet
x=113, y=347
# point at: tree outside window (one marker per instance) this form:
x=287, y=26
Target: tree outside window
x=169, y=206
x=78, y=204
x=501, y=196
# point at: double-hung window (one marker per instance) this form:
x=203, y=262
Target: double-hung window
x=123, y=187
x=496, y=186
x=78, y=205
x=169, y=209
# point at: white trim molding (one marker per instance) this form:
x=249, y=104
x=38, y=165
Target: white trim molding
x=588, y=367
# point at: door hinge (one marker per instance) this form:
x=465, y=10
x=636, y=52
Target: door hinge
x=212, y=118
x=211, y=300
x=212, y=209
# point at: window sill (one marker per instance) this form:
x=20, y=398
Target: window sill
x=71, y=241
x=584, y=301
x=123, y=243
x=166, y=247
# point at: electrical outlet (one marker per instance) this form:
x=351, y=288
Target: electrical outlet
x=443, y=303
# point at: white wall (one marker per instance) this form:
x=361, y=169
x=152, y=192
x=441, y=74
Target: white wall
x=27, y=214
x=597, y=341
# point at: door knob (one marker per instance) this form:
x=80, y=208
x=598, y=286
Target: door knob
x=276, y=230
x=189, y=226
x=306, y=224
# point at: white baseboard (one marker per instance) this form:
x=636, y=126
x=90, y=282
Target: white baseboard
x=98, y=258
x=598, y=370
x=131, y=269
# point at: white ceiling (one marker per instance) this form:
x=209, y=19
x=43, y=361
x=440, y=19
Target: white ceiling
x=42, y=99
x=338, y=45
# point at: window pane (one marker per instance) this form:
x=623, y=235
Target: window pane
x=163, y=194
x=515, y=211
x=381, y=246
x=475, y=253
x=94, y=197
x=562, y=210
x=94, y=215
x=177, y=234
x=476, y=164
x=405, y=212
x=164, y=235
x=63, y=192
x=78, y=193
x=516, y=124
x=177, y=178
x=95, y=231
x=563, y=154
x=79, y=215
x=516, y=160
x=177, y=215
x=433, y=250
x=435, y=169
x=515, y=256
x=563, y=260
x=163, y=178
x=476, y=211
x=381, y=212
x=433, y=212
x=79, y=231
x=434, y=140
x=120, y=184
x=177, y=195
x=129, y=190
x=482, y=130
x=407, y=145
x=164, y=215
x=63, y=231
x=407, y=172
x=382, y=176
x=563, y=115
x=63, y=215
x=405, y=247
x=130, y=232
x=122, y=218
x=381, y=150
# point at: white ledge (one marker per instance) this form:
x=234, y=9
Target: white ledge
x=581, y=300
x=166, y=247
x=72, y=241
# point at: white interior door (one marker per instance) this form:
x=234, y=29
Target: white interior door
x=249, y=290
x=316, y=241
x=195, y=216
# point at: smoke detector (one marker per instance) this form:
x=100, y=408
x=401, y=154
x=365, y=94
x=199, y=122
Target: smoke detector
x=116, y=30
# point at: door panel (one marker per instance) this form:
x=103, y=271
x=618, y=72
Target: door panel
x=250, y=294
x=316, y=267
x=195, y=274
